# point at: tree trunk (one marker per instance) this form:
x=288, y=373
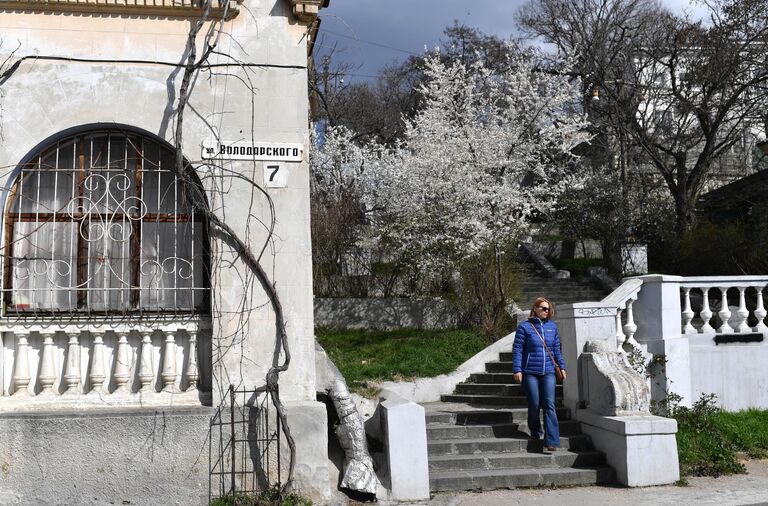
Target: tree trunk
x=685, y=209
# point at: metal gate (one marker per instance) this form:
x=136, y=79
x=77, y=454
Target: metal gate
x=244, y=445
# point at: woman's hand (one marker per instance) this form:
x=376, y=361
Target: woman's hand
x=564, y=374
x=517, y=377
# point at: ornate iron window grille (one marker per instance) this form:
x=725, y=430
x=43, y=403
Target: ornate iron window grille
x=99, y=222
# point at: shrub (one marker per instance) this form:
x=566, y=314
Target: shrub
x=703, y=447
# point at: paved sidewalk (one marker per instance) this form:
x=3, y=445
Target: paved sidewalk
x=750, y=488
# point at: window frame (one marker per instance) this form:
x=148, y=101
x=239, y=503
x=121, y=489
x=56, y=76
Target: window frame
x=135, y=141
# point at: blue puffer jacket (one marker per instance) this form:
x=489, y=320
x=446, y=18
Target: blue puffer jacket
x=528, y=353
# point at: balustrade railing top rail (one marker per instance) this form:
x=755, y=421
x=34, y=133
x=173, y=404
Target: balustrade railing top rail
x=159, y=8
x=718, y=281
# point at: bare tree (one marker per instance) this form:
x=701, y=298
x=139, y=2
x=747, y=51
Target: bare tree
x=681, y=93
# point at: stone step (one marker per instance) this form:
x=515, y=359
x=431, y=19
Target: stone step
x=487, y=445
x=505, y=356
x=559, y=291
x=495, y=389
x=486, y=416
x=555, y=286
x=490, y=400
x=504, y=378
x=563, y=291
x=489, y=389
x=441, y=431
x=533, y=281
x=500, y=378
x=499, y=366
x=560, y=458
x=489, y=479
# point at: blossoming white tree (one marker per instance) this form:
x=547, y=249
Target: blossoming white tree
x=490, y=150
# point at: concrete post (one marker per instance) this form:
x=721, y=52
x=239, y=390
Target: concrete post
x=658, y=317
x=405, y=430
x=581, y=322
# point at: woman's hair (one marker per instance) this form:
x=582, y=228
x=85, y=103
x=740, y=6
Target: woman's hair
x=538, y=302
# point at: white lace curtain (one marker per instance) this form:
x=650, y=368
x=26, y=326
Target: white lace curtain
x=100, y=222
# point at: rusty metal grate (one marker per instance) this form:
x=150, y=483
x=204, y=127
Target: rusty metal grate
x=244, y=445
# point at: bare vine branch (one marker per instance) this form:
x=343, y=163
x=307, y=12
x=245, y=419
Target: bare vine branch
x=197, y=199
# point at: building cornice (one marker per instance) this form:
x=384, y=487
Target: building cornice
x=307, y=10
x=152, y=8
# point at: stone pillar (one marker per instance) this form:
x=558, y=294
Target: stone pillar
x=405, y=432
x=658, y=314
x=578, y=323
x=308, y=421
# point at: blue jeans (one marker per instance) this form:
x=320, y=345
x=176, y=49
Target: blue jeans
x=540, y=390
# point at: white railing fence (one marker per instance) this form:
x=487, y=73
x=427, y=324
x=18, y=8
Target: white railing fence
x=622, y=299
x=105, y=364
x=702, y=295
x=709, y=332
x=708, y=305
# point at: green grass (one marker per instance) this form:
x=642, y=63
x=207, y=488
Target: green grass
x=576, y=266
x=268, y=498
x=709, y=439
x=364, y=355
x=747, y=430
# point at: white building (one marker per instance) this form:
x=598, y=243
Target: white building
x=126, y=314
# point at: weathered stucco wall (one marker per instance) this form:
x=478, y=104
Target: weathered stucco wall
x=385, y=313
x=264, y=99
x=150, y=457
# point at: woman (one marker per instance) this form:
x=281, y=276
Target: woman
x=533, y=366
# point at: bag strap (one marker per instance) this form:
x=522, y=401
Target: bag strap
x=545, y=344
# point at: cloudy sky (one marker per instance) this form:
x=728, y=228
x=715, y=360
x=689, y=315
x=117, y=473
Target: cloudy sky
x=373, y=33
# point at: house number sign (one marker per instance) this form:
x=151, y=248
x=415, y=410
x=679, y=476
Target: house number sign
x=261, y=151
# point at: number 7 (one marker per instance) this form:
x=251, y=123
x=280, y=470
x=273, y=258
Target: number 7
x=274, y=169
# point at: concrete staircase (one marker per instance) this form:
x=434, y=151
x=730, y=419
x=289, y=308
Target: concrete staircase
x=478, y=438
x=559, y=291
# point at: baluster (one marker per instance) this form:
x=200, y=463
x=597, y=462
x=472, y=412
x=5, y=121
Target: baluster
x=98, y=370
x=72, y=374
x=192, y=374
x=706, y=313
x=742, y=312
x=122, y=364
x=630, y=327
x=21, y=370
x=620, y=337
x=47, y=367
x=724, y=312
x=146, y=371
x=760, y=312
x=169, y=364
x=687, y=313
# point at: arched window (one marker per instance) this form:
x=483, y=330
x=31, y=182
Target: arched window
x=98, y=221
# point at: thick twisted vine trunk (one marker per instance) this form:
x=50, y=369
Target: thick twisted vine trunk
x=197, y=199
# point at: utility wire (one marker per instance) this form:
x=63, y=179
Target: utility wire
x=377, y=44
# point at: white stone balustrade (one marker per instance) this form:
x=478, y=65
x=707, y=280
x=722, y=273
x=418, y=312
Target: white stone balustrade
x=105, y=364
x=747, y=287
x=622, y=299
